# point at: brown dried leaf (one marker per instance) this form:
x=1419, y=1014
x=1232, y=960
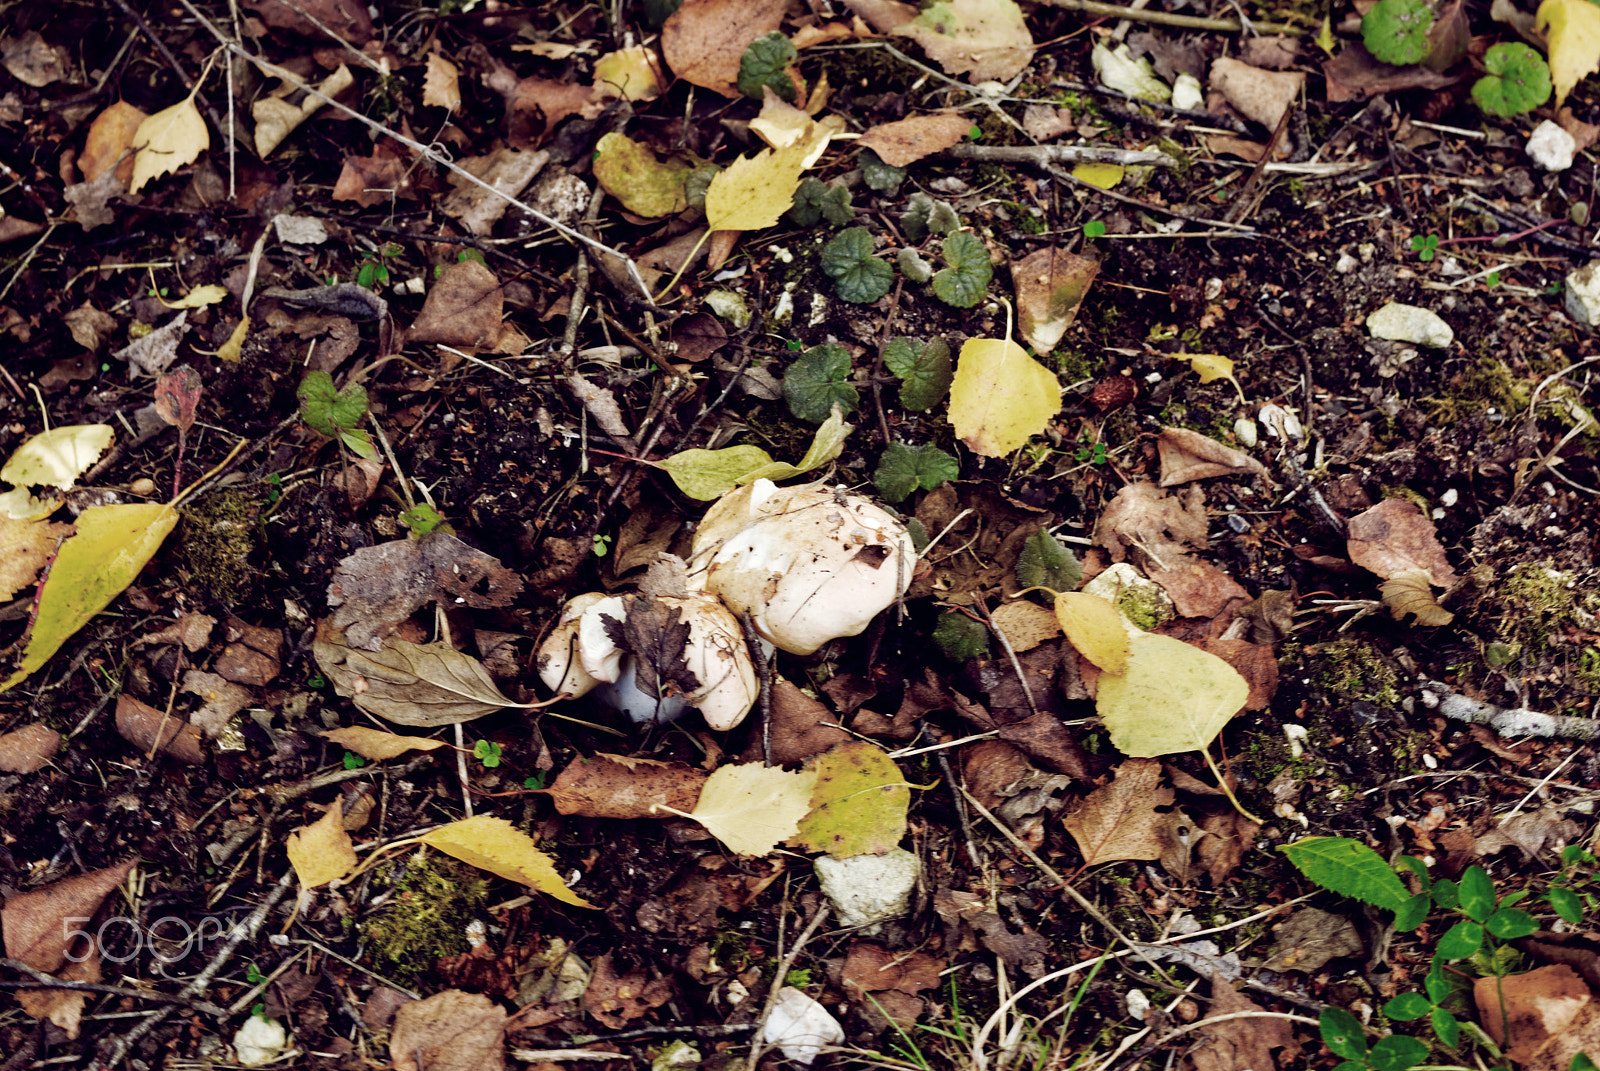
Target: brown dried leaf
x=1309, y=938
x=1354, y=74
x=1050, y=284
x=379, y=745
x=424, y=685
x=614, y=999
x=322, y=852
x=372, y=180
x=704, y=40
x=1410, y=593
x=536, y=105
x=1119, y=820
x=872, y=968
x=1187, y=456
x=1255, y=663
x=982, y=39
x=1393, y=537
x=509, y=171
x=35, y=922
x=28, y=749
x=1025, y=625
x=222, y=697
x=376, y=588
x=139, y=723
x=464, y=308
x=1234, y=1044
x=909, y=140
x=801, y=728
x=449, y=1031
x=28, y=545
x=63, y=1007
x=315, y=18
x=109, y=144
x=1255, y=93
x=617, y=786
x=1142, y=515
x=440, y=85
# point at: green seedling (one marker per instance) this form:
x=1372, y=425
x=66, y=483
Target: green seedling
x=765, y=64
x=602, y=545
x=1425, y=246
x=1517, y=80
x=965, y=282
x=858, y=276
x=352, y=761
x=1090, y=452
x=336, y=413
x=274, y=489
x=536, y=782
x=253, y=975
x=880, y=176
x=903, y=469
x=487, y=752
x=1094, y=229
x=816, y=200
x=372, y=275
x=924, y=370
x=1396, y=31
x=422, y=519
x=819, y=380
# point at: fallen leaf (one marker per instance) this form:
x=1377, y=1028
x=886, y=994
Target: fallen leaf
x=143, y=725
x=221, y=697
x=111, y=136
x=35, y=922
x=33, y=61
x=495, y=845
x=449, y=1031
x=347, y=19
x=508, y=171
x=1410, y=593
x=752, y=808
x=154, y=353
x=441, y=84
x=178, y=395
x=379, y=745
x=56, y=458
x=1000, y=397
x=372, y=180
x=111, y=547
x=464, y=308
x=628, y=74
x=171, y=138
x=1025, y=625
x=1187, y=456
x=64, y=1007
x=620, y=786
x=322, y=852
x=1211, y=367
x=1254, y=93
x=90, y=327
x=707, y=474
x=704, y=40
x=1119, y=820
x=645, y=184
x=276, y=118
x=858, y=803
x=754, y=192
x=1050, y=284
x=1309, y=938
x=1395, y=537
x=1173, y=698
x=1096, y=628
x=1573, y=29
x=25, y=546
x=536, y=105
x=909, y=140
x=1237, y=1043
x=424, y=685
x=1355, y=74
x=28, y=749
x=982, y=39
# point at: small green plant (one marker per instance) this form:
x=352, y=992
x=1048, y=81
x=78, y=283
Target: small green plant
x=274, y=489
x=924, y=216
x=799, y=977
x=422, y=519
x=336, y=413
x=961, y=637
x=902, y=469
x=352, y=761
x=1396, y=31
x=816, y=200
x=765, y=64
x=1517, y=80
x=487, y=752
x=923, y=368
x=253, y=975
x=602, y=545
x=819, y=380
x=858, y=276
x=536, y=782
x=1095, y=228
x=1343, y=1035
x=1425, y=246
x=1089, y=452
x=1045, y=562
x=879, y=175
x=965, y=282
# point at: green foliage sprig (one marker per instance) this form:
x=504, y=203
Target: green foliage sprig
x=336, y=413
x=1396, y=31
x=1517, y=80
x=858, y=276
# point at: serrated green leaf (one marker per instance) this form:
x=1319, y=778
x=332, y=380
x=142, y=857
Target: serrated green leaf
x=966, y=280
x=960, y=637
x=902, y=469
x=1518, y=80
x=858, y=276
x=924, y=215
x=924, y=369
x=328, y=411
x=818, y=381
x=707, y=474
x=816, y=200
x=766, y=63
x=1348, y=868
x=1396, y=31
x=858, y=805
x=880, y=176
x=1046, y=563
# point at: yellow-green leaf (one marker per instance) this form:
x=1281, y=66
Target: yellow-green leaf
x=199, y=297
x=1000, y=396
x=171, y=138
x=1172, y=698
x=708, y=474
x=1096, y=628
x=645, y=184
x=755, y=191
x=56, y=458
x=753, y=808
x=858, y=806
x=826, y=445
x=1104, y=176
x=1573, y=29
x=495, y=845
x=112, y=545
x=1211, y=367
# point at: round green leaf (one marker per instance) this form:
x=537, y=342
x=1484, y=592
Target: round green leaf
x=1509, y=923
x=766, y=63
x=1460, y=941
x=1566, y=904
x=925, y=371
x=1408, y=1006
x=1341, y=1032
x=857, y=275
x=817, y=381
x=1397, y=1053
x=966, y=280
x=1396, y=31
x=1518, y=80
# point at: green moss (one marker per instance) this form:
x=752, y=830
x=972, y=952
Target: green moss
x=1073, y=364
x=1398, y=491
x=217, y=540
x=434, y=897
x=1534, y=607
x=1143, y=608
x=1349, y=670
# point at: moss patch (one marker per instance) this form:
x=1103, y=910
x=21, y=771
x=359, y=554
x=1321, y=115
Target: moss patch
x=217, y=541
x=426, y=918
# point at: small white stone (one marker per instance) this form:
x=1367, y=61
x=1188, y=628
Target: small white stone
x=1408, y=323
x=1244, y=429
x=1583, y=294
x=1450, y=497
x=1551, y=147
x=1346, y=264
x=1187, y=94
x=867, y=889
x=799, y=1026
x=260, y=1041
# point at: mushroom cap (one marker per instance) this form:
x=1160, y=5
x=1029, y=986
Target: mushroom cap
x=720, y=660
x=561, y=672
x=810, y=564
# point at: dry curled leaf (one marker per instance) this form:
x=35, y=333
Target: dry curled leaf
x=1410, y=593
x=424, y=685
x=1395, y=537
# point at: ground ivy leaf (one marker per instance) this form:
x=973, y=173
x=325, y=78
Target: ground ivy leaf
x=858, y=276
x=817, y=382
x=924, y=370
x=326, y=410
x=766, y=63
x=1517, y=80
x=1046, y=563
x=960, y=637
x=903, y=469
x=707, y=474
x=966, y=280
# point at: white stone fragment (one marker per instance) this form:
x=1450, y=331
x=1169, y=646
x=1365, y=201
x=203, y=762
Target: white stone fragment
x=300, y=230
x=1245, y=430
x=867, y=889
x=1551, y=147
x=1583, y=294
x=1187, y=93
x=1408, y=323
x=800, y=1027
x=260, y=1041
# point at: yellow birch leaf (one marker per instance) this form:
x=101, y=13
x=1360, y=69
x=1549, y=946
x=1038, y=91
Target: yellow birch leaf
x=495, y=845
x=377, y=744
x=198, y=297
x=1211, y=367
x=1172, y=698
x=171, y=138
x=753, y=808
x=755, y=191
x=1573, y=29
x=1104, y=176
x=322, y=852
x=631, y=74
x=1000, y=396
x=56, y=458
x=1096, y=628
x=112, y=545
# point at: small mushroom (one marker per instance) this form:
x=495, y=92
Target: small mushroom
x=809, y=563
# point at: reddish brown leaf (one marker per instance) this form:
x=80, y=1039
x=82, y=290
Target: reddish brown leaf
x=315, y=18
x=614, y=999
x=1394, y=536
x=375, y=588
x=139, y=724
x=463, y=308
x=449, y=1031
x=35, y=923
x=616, y=786
x=909, y=140
x=704, y=40
x=1120, y=820
x=1236, y=1044
x=28, y=749
x=372, y=180
x=177, y=395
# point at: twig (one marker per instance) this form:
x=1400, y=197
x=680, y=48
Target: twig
x=1516, y=721
x=41, y=980
x=1239, y=229
x=763, y=667
x=1040, y=155
x=1162, y=18
x=758, y=1047
x=961, y=810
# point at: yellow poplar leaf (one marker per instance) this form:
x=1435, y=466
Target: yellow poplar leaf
x=1096, y=628
x=495, y=845
x=169, y=139
x=630, y=73
x=753, y=808
x=322, y=852
x=1000, y=396
x=1211, y=367
x=198, y=297
x=1172, y=698
x=755, y=191
x=1105, y=176
x=859, y=803
x=56, y=458
x=441, y=85
x=377, y=744
x=1573, y=29
x=112, y=545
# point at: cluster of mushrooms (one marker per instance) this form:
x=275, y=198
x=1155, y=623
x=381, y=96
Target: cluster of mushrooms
x=808, y=564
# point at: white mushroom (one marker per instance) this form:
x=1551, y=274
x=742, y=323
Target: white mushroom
x=809, y=563
x=559, y=668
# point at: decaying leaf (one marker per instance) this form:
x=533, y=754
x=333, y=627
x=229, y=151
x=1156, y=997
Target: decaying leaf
x=1410, y=593
x=276, y=118
x=377, y=744
x=754, y=192
x=1096, y=628
x=35, y=922
x=858, y=804
x=495, y=845
x=1573, y=28
x=1187, y=456
x=423, y=685
x=464, y=308
x=621, y=786
x=151, y=730
x=449, y=1031
x=645, y=184
x=1000, y=397
x=1050, y=284
x=1172, y=698
x=704, y=40
x=28, y=749
x=441, y=84
x=56, y=458
x=322, y=852
x=753, y=808
x=908, y=140
x=110, y=139
x=1119, y=820
x=982, y=39
x=171, y=138
x=1395, y=537
x=25, y=545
